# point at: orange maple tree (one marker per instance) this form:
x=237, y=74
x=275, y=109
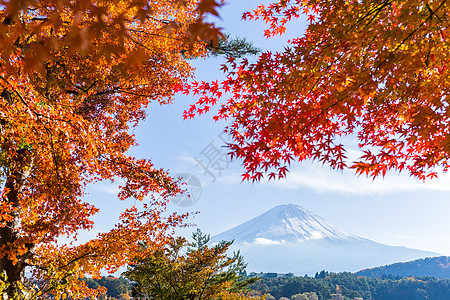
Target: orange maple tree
x=373, y=70
x=75, y=77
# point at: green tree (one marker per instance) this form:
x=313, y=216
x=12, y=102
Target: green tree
x=190, y=270
x=322, y=274
x=115, y=286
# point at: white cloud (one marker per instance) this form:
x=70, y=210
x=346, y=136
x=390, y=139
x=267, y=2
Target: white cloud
x=316, y=235
x=263, y=241
x=323, y=180
x=111, y=188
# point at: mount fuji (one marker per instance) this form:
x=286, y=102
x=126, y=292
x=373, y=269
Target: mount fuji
x=289, y=238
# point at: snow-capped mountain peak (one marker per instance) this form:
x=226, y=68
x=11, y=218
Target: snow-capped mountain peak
x=284, y=223
x=288, y=238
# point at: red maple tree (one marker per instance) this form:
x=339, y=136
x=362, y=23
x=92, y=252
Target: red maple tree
x=373, y=70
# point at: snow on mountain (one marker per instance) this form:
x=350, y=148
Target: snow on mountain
x=281, y=224
x=289, y=238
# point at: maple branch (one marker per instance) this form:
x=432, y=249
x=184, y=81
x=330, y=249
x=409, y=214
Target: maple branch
x=376, y=10
x=148, y=34
x=115, y=89
x=50, y=287
x=320, y=77
x=172, y=285
x=323, y=111
x=39, y=19
x=428, y=58
x=64, y=276
x=55, y=161
x=38, y=116
x=142, y=45
x=409, y=35
x=136, y=94
x=159, y=20
x=79, y=258
x=83, y=88
x=367, y=48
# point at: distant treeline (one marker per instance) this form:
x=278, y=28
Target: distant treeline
x=433, y=266
x=324, y=285
x=351, y=286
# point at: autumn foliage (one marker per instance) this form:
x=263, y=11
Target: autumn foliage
x=75, y=78
x=375, y=71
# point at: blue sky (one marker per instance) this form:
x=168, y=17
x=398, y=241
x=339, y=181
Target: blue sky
x=396, y=210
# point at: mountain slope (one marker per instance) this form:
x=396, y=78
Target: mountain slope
x=284, y=223
x=434, y=266
x=289, y=238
